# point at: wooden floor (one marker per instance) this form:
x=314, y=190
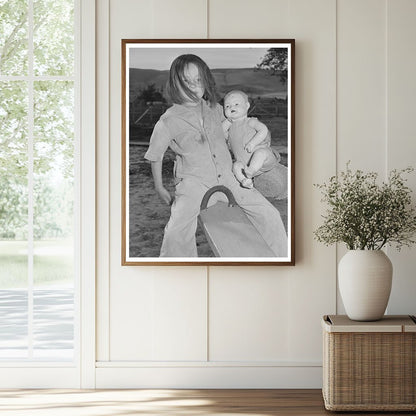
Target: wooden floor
x=165, y=402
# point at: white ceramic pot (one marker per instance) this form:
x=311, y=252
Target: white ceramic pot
x=364, y=278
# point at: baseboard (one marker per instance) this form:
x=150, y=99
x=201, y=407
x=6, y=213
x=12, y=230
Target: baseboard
x=39, y=378
x=209, y=377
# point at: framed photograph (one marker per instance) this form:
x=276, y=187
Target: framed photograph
x=208, y=157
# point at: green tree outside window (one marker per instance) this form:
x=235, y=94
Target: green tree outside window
x=36, y=60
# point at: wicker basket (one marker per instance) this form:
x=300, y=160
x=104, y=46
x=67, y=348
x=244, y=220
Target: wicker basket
x=369, y=366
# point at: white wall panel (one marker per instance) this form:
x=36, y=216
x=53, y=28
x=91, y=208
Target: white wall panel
x=311, y=282
x=132, y=18
x=131, y=316
x=355, y=94
x=401, y=143
x=150, y=19
x=159, y=317
x=248, y=309
x=361, y=84
x=361, y=89
x=180, y=308
x=145, y=323
x=312, y=24
x=179, y=19
x=262, y=19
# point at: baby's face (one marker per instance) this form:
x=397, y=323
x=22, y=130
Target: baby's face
x=235, y=107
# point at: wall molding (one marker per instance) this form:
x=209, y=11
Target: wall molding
x=207, y=377
x=204, y=364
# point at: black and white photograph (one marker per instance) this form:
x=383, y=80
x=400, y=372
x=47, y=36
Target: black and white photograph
x=208, y=152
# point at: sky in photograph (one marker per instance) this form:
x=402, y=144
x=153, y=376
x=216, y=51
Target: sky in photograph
x=215, y=57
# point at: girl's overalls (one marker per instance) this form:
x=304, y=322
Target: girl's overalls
x=203, y=161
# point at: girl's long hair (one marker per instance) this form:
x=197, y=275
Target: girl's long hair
x=176, y=87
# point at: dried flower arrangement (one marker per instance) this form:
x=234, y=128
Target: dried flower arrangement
x=366, y=215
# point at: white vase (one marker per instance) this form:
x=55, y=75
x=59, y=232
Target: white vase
x=364, y=278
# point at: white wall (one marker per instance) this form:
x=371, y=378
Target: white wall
x=255, y=326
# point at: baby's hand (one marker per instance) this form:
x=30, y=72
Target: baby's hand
x=226, y=124
x=164, y=195
x=249, y=147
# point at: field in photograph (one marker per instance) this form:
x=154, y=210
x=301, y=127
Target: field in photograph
x=149, y=215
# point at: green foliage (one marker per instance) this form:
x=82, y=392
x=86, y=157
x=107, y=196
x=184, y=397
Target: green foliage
x=276, y=61
x=54, y=126
x=53, y=37
x=13, y=37
x=13, y=208
x=53, y=118
x=53, y=208
x=365, y=215
x=13, y=129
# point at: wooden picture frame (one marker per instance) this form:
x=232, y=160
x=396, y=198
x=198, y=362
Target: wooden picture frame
x=228, y=233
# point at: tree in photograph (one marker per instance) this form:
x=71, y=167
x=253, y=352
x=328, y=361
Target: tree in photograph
x=275, y=61
x=151, y=93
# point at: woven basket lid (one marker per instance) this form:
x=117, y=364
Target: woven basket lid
x=389, y=323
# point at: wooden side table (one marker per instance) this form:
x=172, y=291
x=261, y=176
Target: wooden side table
x=369, y=366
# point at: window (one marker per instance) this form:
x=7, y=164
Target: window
x=38, y=184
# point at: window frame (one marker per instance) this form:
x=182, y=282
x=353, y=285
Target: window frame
x=81, y=371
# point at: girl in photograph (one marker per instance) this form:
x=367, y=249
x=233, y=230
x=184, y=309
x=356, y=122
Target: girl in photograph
x=192, y=128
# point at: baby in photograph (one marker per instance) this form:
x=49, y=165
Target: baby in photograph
x=249, y=140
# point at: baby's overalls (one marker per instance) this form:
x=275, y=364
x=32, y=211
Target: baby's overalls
x=203, y=161
x=239, y=134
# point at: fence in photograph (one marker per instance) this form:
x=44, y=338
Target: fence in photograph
x=144, y=115
x=268, y=107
